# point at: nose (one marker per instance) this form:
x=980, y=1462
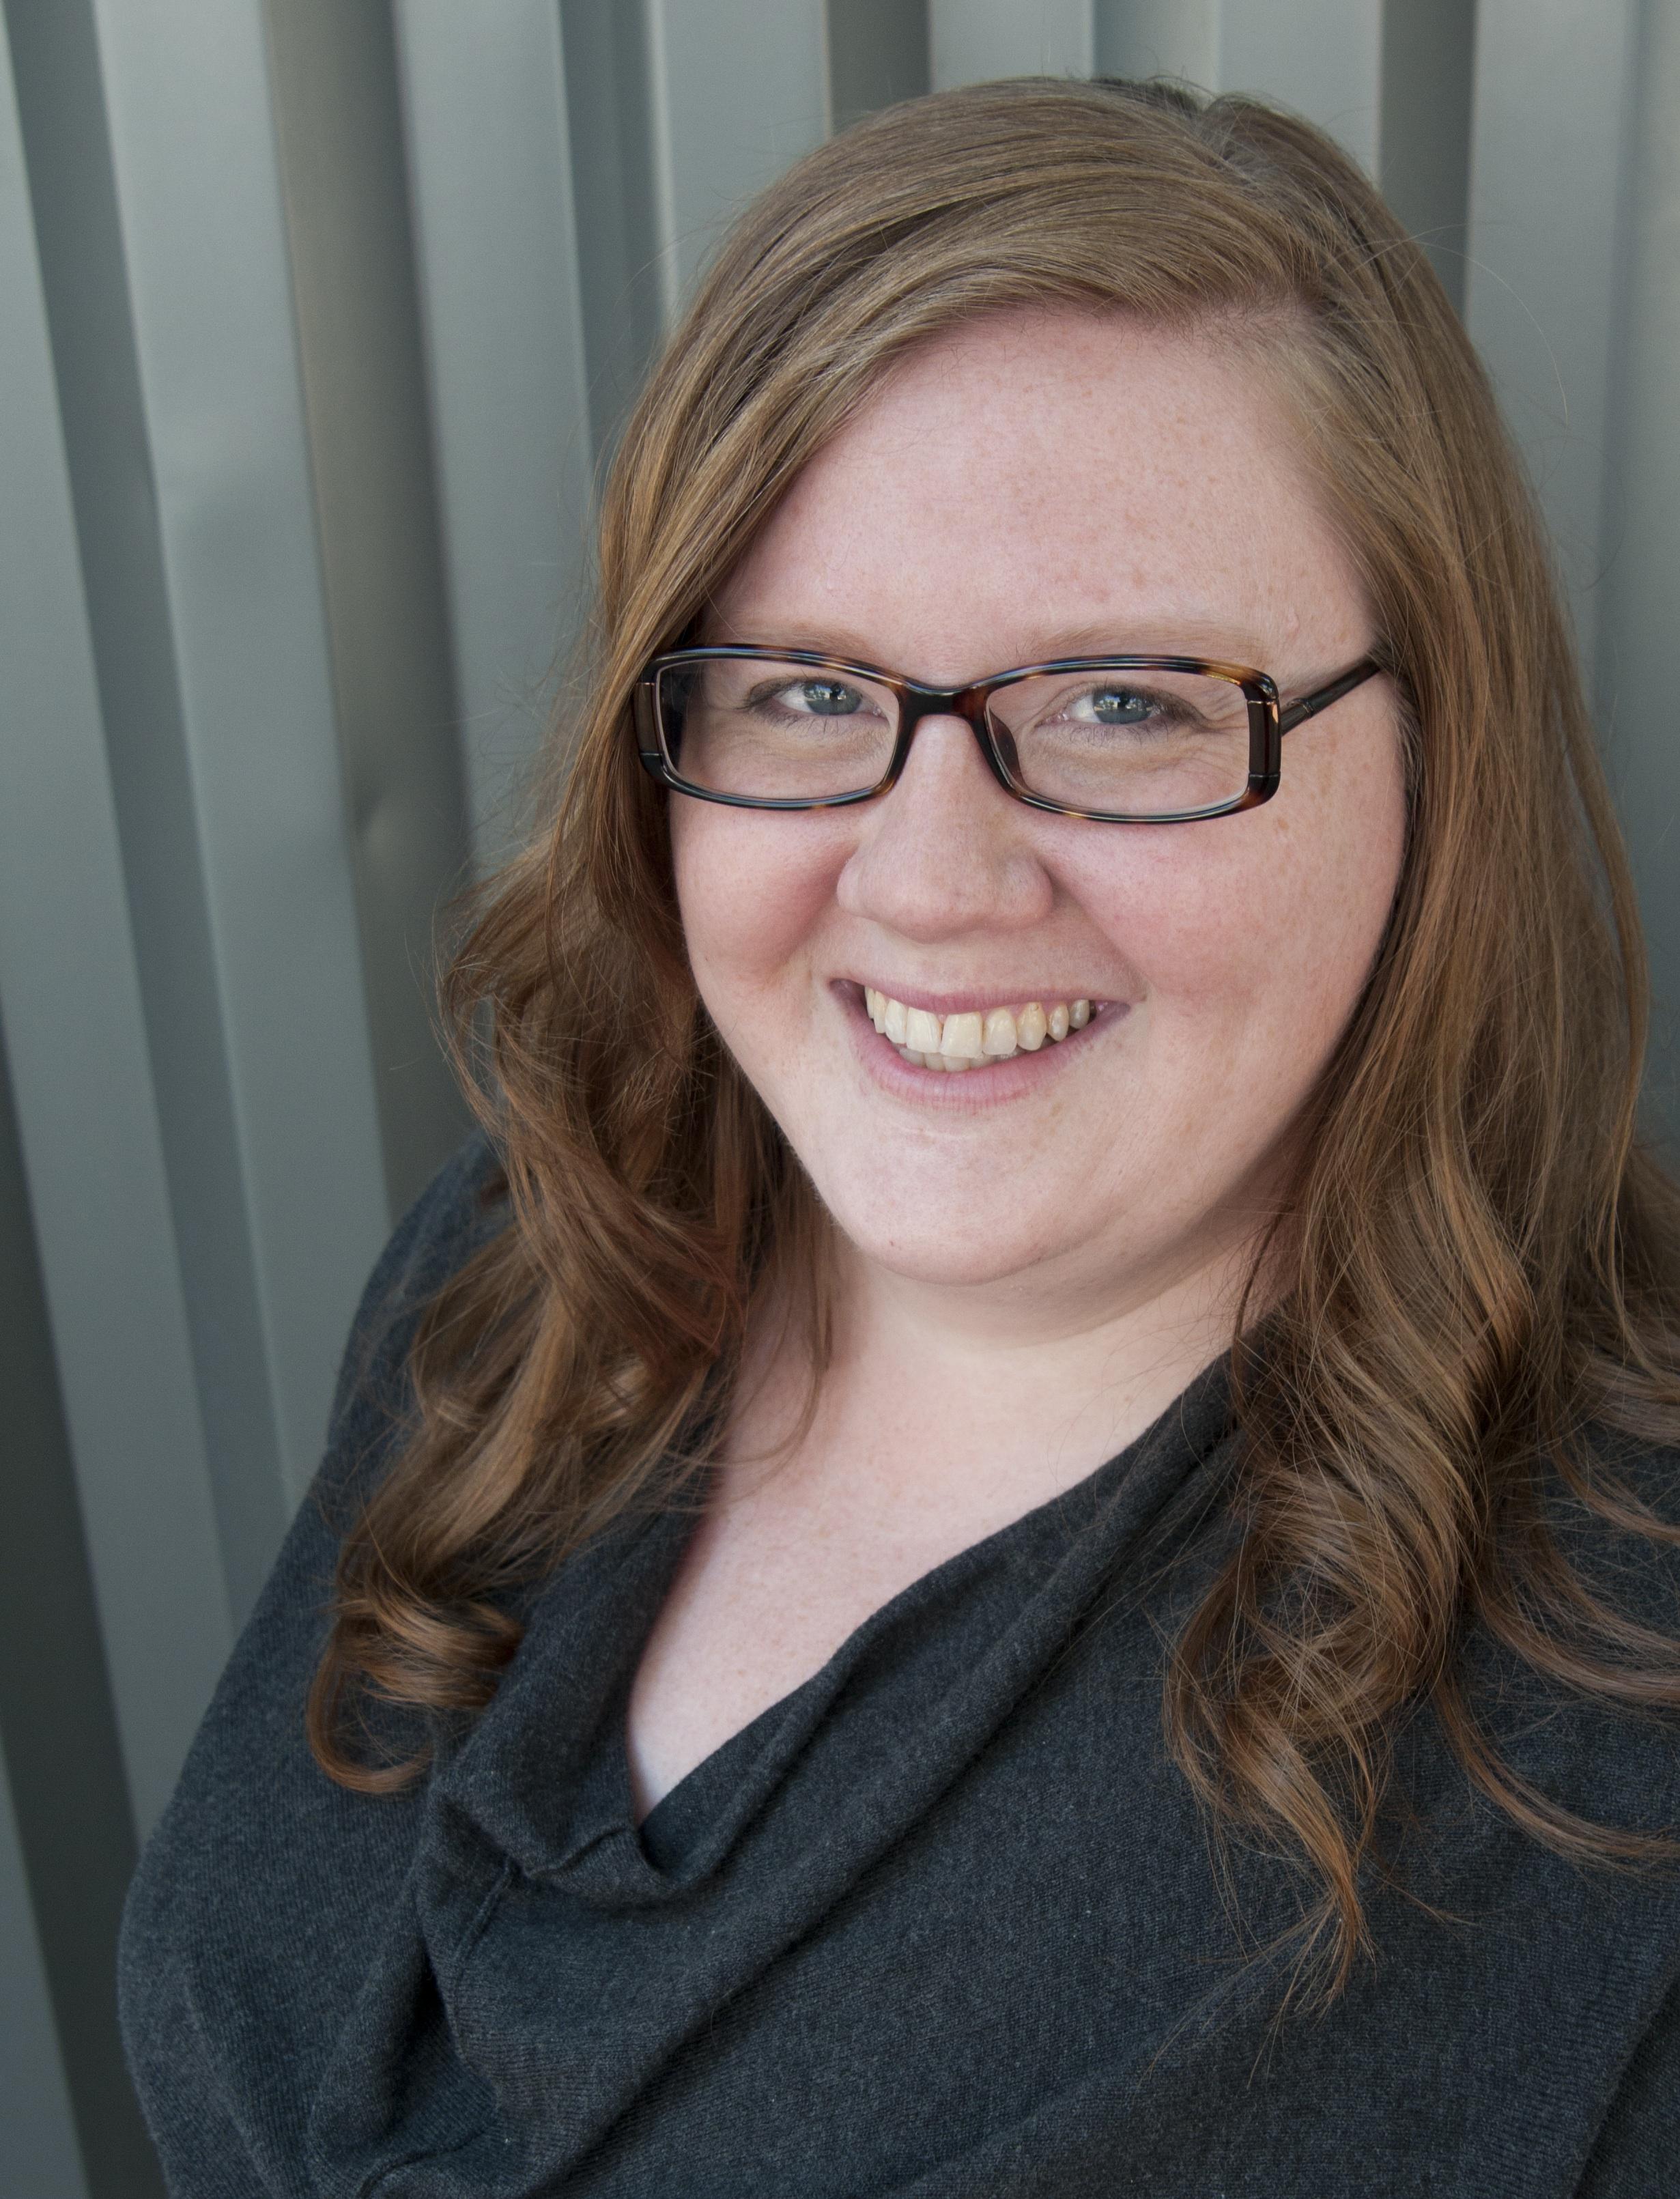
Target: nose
x=946, y=850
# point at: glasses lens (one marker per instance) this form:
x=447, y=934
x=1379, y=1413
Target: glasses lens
x=1142, y=743
x=775, y=732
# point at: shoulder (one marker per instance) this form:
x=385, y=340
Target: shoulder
x=1568, y=1676
x=1576, y=1689
x=461, y=1208
x=1592, y=1714
x=259, y=1859
x=1638, y=2142
x=1614, y=1520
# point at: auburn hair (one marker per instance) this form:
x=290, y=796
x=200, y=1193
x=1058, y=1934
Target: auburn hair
x=1483, y=1263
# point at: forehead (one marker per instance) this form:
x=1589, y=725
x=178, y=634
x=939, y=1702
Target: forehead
x=1041, y=480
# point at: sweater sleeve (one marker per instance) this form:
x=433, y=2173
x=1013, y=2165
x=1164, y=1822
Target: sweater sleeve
x=1636, y=2155
x=188, y=1922
x=200, y=2148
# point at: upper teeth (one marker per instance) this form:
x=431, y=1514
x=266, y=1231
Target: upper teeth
x=964, y=1041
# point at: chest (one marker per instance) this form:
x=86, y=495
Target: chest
x=775, y=1580
x=993, y=1962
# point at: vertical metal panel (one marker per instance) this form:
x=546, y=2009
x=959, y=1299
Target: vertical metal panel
x=1321, y=57
x=1553, y=89
x=87, y=1121
x=42, y=2158
x=736, y=92
x=974, y=39
x=1160, y=38
x=879, y=52
x=80, y=250
x=1642, y=552
x=610, y=122
x=1389, y=79
x=58, y=1736
x=490, y=174
x=339, y=126
x=1423, y=153
x=193, y=146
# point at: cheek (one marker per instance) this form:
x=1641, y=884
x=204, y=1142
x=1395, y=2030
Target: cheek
x=1252, y=937
x=752, y=891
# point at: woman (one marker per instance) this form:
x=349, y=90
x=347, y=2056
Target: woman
x=1010, y=1534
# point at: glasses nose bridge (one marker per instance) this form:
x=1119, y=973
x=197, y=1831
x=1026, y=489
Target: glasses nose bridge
x=916, y=703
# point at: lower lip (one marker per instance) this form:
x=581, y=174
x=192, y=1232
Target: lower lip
x=989, y=1083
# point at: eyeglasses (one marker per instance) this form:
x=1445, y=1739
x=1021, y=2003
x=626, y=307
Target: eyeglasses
x=1120, y=740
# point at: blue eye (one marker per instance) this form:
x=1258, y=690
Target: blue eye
x=827, y=698
x=1119, y=706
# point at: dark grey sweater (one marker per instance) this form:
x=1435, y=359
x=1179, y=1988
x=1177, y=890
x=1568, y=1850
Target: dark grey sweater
x=943, y=1922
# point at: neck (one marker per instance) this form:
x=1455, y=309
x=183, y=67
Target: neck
x=992, y=1396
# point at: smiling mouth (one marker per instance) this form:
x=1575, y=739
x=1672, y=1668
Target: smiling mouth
x=977, y=1037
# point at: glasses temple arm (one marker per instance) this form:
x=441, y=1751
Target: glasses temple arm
x=1309, y=706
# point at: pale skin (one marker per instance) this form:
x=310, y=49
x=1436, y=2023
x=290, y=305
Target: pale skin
x=1035, y=1258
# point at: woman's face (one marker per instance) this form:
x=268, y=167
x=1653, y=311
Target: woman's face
x=1036, y=486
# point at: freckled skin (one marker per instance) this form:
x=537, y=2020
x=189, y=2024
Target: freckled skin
x=1025, y=1286
x=1024, y=488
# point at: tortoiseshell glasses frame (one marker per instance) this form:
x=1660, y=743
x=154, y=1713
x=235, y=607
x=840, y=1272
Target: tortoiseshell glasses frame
x=1269, y=718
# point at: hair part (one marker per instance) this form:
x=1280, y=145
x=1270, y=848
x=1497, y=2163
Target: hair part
x=1483, y=1263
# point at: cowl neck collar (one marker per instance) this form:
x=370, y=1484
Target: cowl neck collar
x=544, y=1776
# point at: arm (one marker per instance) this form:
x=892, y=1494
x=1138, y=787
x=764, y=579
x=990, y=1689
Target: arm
x=203, y=2153
x=244, y=1924
x=1636, y=2153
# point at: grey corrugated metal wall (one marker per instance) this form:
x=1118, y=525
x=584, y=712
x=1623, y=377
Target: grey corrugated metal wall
x=318, y=315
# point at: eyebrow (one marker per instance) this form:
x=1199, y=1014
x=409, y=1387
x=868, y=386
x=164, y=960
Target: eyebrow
x=1220, y=641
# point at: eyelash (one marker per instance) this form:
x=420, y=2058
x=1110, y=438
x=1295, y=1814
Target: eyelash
x=1170, y=710
x=762, y=698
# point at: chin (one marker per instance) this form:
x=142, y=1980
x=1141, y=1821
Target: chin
x=920, y=1245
